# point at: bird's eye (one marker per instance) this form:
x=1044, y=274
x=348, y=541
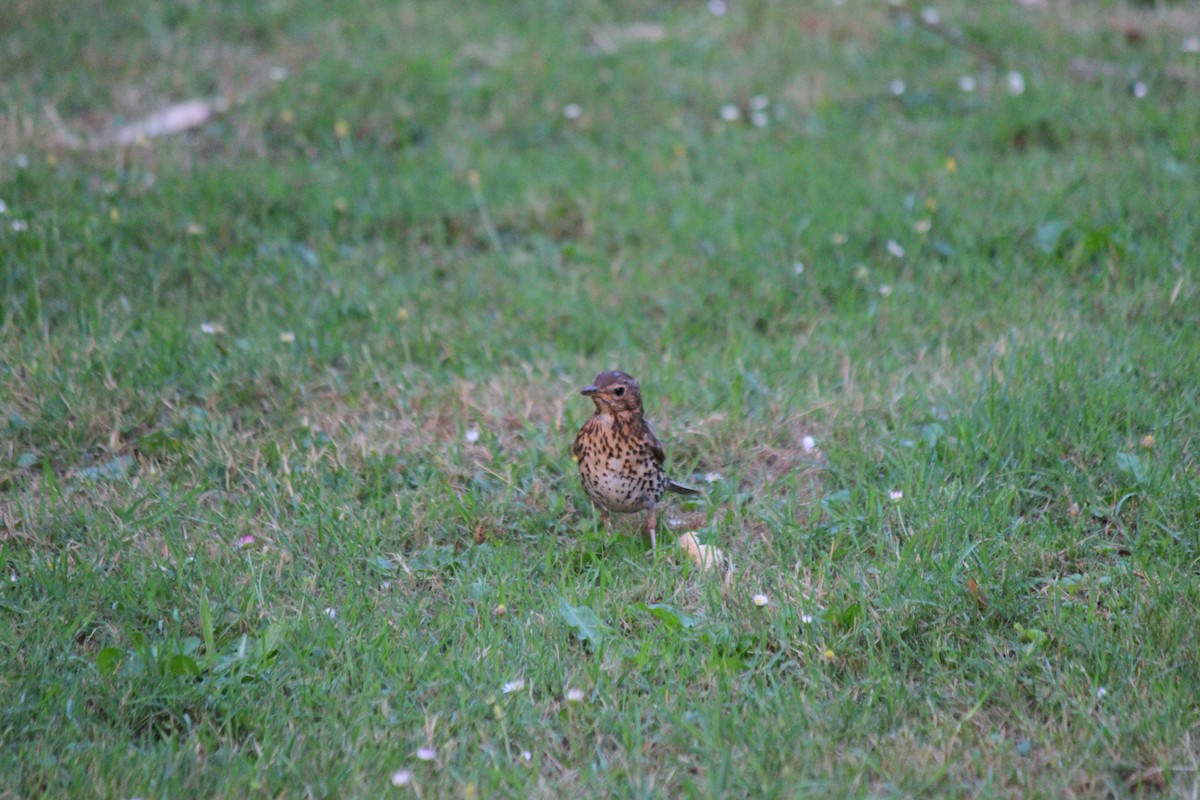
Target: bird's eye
x=620, y=390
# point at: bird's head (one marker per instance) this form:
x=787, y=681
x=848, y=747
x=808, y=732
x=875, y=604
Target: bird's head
x=615, y=392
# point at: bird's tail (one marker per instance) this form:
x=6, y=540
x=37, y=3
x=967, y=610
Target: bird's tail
x=679, y=488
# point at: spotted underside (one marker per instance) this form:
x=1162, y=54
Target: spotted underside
x=620, y=463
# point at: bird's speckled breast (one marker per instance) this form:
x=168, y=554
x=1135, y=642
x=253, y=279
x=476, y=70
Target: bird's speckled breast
x=617, y=466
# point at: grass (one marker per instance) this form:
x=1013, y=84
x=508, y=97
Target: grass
x=249, y=549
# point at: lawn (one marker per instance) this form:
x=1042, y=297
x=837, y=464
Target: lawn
x=287, y=507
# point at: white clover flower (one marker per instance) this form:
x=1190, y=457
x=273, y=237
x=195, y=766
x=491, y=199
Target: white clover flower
x=19, y=225
x=896, y=87
x=759, y=102
x=401, y=777
x=572, y=111
x=472, y=435
x=574, y=695
x=885, y=290
x=513, y=686
x=930, y=16
x=808, y=444
x=1190, y=45
x=1015, y=83
x=528, y=756
x=895, y=249
x=730, y=112
x=1140, y=90
x=966, y=83
x=1101, y=693
x=717, y=8
x=331, y=613
x=896, y=495
x=426, y=754
x=798, y=268
x=806, y=619
x=759, y=119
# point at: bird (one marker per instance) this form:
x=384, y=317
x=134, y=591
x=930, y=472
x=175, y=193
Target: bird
x=620, y=460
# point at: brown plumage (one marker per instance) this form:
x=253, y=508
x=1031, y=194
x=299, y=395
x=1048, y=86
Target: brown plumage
x=620, y=460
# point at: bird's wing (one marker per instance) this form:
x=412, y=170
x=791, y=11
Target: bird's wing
x=652, y=442
x=577, y=445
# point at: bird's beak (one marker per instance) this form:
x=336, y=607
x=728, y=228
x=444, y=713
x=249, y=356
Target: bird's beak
x=588, y=391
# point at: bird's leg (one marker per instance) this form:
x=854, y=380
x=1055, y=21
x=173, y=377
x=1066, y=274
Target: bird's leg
x=651, y=525
x=605, y=520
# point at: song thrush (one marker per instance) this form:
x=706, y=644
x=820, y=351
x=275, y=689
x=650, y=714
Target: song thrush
x=620, y=460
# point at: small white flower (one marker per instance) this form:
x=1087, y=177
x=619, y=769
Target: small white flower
x=930, y=16
x=19, y=225
x=572, y=111
x=331, y=613
x=759, y=102
x=528, y=756
x=401, y=777
x=1140, y=90
x=808, y=444
x=212, y=328
x=895, y=249
x=885, y=290
x=717, y=8
x=730, y=113
x=574, y=695
x=1101, y=693
x=1015, y=83
x=513, y=686
x=806, y=619
x=713, y=477
x=759, y=119
x=3, y=207
x=287, y=337
x=426, y=754
x=277, y=73
x=966, y=83
x=22, y=161
x=798, y=268
x=12, y=577
x=761, y=600
x=923, y=225
x=472, y=435
x=896, y=87
x=1190, y=45
x=896, y=495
